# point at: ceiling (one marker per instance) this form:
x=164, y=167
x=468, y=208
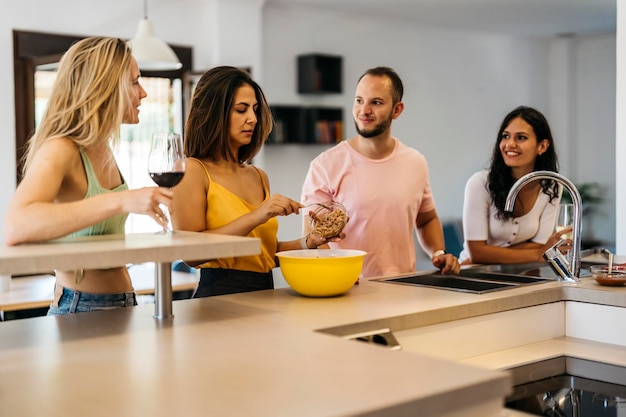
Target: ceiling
x=537, y=18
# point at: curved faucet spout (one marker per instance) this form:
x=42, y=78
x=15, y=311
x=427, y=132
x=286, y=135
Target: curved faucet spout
x=574, y=266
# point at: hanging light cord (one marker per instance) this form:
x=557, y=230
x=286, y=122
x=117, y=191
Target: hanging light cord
x=145, y=9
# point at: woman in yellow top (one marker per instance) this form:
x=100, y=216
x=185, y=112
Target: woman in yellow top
x=222, y=192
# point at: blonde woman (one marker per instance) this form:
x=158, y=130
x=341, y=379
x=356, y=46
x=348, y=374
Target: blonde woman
x=71, y=183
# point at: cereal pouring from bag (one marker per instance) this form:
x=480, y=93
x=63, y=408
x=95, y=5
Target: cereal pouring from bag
x=328, y=219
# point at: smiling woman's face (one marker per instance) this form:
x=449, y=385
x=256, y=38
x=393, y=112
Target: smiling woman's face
x=520, y=147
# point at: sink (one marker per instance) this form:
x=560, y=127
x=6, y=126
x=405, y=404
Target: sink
x=532, y=269
x=503, y=277
x=481, y=279
x=453, y=282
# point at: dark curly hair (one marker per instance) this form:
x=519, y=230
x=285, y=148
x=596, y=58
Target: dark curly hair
x=500, y=177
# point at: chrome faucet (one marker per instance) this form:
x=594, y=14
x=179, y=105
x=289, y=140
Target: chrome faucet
x=567, y=272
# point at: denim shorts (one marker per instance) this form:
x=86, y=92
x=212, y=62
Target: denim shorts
x=216, y=281
x=72, y=301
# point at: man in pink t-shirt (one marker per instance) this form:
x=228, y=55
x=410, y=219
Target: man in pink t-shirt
x=382, y=183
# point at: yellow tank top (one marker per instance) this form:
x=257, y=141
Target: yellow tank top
x=223, y=208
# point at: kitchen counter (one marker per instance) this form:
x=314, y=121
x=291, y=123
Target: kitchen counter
x=266, y=353
x=108, y=251
x=117, y=250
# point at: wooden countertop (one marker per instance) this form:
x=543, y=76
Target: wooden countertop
x=266, y=353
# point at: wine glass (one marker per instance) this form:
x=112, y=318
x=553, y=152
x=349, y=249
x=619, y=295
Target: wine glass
x=565, y=219
x=166, y=162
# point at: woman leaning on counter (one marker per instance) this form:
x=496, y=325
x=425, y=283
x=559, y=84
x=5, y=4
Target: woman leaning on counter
x=71, y=183
x=493, y=236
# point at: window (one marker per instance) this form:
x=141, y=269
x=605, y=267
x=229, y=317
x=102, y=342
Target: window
x=160, y=112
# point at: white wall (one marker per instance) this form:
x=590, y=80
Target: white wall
x=593, y=125
x=620, y=148
x=458, y=84
x=458, y=87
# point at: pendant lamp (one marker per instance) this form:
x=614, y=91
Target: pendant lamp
x=151, y=53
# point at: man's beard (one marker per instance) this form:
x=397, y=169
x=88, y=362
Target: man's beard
x=376, y=130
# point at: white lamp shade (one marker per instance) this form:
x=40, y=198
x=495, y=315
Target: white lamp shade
x=151, y=53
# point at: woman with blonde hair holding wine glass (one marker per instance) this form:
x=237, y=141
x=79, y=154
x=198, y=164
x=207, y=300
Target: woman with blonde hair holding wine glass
x=494, y=236
x=71, y=183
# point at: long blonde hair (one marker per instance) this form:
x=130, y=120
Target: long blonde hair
x=89, y=95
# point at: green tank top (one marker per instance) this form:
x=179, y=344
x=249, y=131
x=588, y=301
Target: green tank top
x=111, y=226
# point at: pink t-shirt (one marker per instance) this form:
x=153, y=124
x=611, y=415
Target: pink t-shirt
x=383, y=198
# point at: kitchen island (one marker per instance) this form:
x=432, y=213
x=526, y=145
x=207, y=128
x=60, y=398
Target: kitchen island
x=107, y=251
x=271, y=353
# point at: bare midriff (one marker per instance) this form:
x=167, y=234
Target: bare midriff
x=97, y=281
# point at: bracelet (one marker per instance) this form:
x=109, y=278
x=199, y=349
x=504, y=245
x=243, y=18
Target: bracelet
x=303, y=243
x=439, y=252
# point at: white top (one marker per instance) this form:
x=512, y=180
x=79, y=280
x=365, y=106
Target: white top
x=383, y=198
x=480, y=222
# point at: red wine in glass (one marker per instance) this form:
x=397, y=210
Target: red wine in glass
x=167, y=179
x=166, y=162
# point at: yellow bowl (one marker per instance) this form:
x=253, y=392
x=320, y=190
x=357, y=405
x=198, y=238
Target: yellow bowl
x=321, y=272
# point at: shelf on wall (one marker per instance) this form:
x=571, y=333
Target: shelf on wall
x=306, y=125
x=319, y=74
